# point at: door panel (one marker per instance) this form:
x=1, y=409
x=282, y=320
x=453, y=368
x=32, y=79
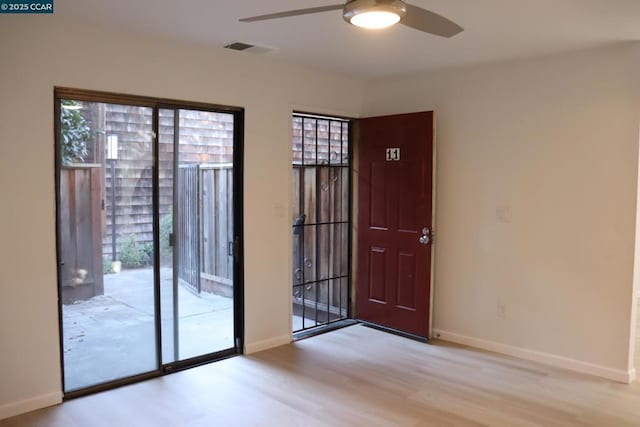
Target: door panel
x=205, y=233
x=197, y=295
x=406, y=292
x=395, y=204
x=105, y=247
x=377, y=274
x=378, y=208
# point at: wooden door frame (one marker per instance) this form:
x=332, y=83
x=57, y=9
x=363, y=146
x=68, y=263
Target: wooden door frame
x=434, y=227
x=354, y=214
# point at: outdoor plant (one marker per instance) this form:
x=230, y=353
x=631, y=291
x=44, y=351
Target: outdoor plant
x=75, y=133
x=133, y=254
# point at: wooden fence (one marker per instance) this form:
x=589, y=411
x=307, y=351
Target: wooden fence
x=320, y=237
x=188, y=231
x=205, y=137
x=80, y=231
x=205, y=227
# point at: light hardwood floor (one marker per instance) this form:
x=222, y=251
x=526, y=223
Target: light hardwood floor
x=637, y=351
x=361, y=377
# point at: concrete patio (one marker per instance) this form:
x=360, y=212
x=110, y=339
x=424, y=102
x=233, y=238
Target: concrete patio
x=112, y=336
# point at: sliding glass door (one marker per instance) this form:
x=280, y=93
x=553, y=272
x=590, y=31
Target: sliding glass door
x=197, y=233
x=148, y=259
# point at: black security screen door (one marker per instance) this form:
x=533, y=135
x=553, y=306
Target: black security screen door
x=320, y=220
x=149, y=229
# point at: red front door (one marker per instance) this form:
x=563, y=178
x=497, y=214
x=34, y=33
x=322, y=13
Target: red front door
x=394, y=221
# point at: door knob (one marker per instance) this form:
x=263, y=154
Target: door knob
x=424, y=239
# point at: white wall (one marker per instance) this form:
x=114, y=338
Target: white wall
x=551, y=145
x=38, y=53
x=636, y=267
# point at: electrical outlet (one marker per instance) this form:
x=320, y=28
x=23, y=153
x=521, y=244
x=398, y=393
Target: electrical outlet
x=501, y=311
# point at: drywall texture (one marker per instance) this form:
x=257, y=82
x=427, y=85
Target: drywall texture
x=38, y=53
x=536, y=194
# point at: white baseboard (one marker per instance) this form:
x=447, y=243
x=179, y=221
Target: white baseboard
x=540, y=357
x=255, y=347
x=23, y=406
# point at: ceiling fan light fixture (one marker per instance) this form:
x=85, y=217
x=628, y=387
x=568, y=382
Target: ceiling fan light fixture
x=374, y=14
x=375, y=19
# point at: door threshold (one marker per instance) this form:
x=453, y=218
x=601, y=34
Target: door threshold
x=110, y=385
x=183, y=365
x=394, y=331
x=308, y=333
x=166, y=369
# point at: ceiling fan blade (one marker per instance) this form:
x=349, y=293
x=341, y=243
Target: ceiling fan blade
x=293, y=13
x=430, y=22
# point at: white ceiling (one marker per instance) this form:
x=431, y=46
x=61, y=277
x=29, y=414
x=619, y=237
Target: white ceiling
x=494, y=30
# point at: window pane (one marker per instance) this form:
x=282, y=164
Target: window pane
x=345, y=143
x=335, y=152
x=105, y=226
x=323, y=141
x=204, y=232
x=309, y=140
x=296, y=145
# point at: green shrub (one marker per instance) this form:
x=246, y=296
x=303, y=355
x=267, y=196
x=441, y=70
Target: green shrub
x=134, y=255
x=75, y=133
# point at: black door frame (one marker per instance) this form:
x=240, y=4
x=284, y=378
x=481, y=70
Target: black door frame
x=156, y=104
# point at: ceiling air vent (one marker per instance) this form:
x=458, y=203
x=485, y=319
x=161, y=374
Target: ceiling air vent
x=246, y=47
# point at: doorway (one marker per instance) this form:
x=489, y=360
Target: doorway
x=149, y=229
x=321, y=220
x=395, y=222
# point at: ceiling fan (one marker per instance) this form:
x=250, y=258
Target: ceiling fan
x=375, y=14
